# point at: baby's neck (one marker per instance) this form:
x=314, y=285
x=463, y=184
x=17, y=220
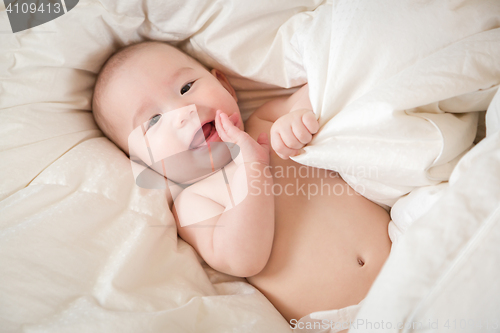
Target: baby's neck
x=228, y=170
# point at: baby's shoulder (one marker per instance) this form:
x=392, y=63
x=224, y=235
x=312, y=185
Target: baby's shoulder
x=271, y=110
x=280, y=106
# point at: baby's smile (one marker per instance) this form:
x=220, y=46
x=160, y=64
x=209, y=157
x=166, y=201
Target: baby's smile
x=208, y=132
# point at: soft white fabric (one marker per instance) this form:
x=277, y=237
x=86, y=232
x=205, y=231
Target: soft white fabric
x=329, y=321
x=444, y=271
x=377, y=89
x=83, y=249
x=411, y=207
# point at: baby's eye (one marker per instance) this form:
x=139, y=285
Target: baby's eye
x=153, y=120
x=186, y=88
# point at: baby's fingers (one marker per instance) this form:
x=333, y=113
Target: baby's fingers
x=226, y=129
x=310, y=122
x=289, y=139
x=220, y=129
x=301, y=132
x=281, y=149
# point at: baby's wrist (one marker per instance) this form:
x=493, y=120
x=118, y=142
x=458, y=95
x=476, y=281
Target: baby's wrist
x=249, y=160
x=302, y=110
x=256, y=166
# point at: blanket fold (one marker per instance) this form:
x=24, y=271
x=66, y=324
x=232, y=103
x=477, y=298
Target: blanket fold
x=384, y=98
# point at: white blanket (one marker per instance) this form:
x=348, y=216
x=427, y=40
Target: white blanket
x=444, y=274
x=383, y=95
x=82, y=248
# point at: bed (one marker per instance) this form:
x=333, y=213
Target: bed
x=84, y=249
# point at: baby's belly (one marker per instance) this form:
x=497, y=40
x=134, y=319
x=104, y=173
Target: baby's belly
x=329, y=245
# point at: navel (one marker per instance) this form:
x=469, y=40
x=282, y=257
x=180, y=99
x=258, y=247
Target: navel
x=361, y=262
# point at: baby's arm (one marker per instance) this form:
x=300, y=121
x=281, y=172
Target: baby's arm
x=236, y=240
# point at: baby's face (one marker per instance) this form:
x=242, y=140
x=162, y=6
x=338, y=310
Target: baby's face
x=169, y=100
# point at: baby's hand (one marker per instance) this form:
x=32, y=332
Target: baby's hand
x=293, y=131
x=252, y=151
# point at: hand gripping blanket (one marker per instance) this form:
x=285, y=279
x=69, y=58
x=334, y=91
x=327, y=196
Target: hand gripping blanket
x=393, y=85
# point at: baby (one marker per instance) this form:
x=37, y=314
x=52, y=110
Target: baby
x=303, y=250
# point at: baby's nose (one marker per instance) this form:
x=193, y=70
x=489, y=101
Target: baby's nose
x=185, y=115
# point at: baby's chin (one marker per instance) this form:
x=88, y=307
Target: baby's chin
x=196, y=164
x=196, y=180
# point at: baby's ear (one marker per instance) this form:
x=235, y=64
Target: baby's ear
x=225, y=82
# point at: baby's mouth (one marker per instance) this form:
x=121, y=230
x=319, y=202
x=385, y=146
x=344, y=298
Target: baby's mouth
x=204, y=133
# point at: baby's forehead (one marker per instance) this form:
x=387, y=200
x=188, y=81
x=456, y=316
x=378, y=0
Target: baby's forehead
x=169, y=56
x=148, y=65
